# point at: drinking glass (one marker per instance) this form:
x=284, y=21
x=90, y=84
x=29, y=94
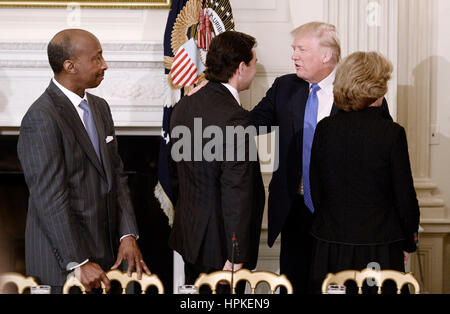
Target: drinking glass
x=187, y=289
x=336, y=289
x=40, y=289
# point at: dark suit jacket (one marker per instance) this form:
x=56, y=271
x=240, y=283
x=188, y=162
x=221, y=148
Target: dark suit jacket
x=216, y=198
x=284, y=107
x=78, y=206
x=361, y=181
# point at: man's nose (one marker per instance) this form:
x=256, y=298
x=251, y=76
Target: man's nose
x=104, y=65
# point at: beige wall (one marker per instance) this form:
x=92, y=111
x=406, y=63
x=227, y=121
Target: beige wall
x=440, y=114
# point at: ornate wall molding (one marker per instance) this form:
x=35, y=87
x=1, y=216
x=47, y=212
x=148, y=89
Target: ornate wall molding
x=266, y=11
x=134, y=84
x=433, y=262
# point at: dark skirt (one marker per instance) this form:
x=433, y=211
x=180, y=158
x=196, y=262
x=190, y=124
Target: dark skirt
x=328, y=257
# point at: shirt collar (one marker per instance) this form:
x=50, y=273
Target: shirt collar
x=74, y=98
x=233, y=92
x=326, y=85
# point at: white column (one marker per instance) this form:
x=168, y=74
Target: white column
x=365, y=25
x=415, y=98
x=415, y=93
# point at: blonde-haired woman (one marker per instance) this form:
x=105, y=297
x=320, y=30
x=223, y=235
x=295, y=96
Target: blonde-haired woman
x=361, y=183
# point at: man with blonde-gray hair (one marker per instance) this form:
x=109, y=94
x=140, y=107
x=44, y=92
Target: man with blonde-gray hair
x=296, y=103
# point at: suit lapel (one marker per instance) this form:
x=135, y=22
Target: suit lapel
x=102, y=137
x=72, y=119
x=298, y=106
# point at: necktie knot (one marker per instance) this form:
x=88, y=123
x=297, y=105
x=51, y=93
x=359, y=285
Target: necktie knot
x=84, y=105
x=314, y=88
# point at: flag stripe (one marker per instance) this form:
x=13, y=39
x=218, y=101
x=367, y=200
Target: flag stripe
x=184, y=80
x=188, y=78
x=177, y=79
x=181, y=67
x=189, y=70
x=192, y=78
x=179, y=62
x=181, y=53
x=182, y=70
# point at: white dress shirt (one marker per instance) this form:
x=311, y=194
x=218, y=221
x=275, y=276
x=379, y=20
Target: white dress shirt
x=325, y=96
x=74, y=99
x=233, y=91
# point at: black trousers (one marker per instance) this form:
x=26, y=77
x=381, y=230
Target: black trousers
x=193, y=271
x=296, y=246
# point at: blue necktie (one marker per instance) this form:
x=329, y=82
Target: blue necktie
x=90, y=126
x=309, y=126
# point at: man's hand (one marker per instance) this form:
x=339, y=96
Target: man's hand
x=129, y=250
x=228, y=265
x=405, y=257
x=199, y=87
x=91, y=275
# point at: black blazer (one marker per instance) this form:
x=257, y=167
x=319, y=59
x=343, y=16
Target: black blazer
x=284, y=107
x=78, y=207
x=215, y=199
x=361, y=181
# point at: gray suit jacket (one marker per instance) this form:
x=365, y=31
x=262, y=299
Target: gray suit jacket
x=79, y=206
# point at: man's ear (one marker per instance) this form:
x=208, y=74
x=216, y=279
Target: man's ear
x=241, y=67
x=69, y=66
x=327, y=56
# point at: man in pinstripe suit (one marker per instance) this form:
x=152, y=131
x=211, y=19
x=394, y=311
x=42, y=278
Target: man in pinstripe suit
x=80, y=216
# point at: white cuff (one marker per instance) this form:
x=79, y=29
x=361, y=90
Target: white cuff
x=73, y=265
x=130, y=234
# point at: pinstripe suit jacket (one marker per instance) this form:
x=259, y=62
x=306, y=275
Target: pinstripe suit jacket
x=215, y=198
x=78, y=206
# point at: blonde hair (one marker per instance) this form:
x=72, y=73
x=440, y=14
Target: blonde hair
x=326, y=33
x=361, y=79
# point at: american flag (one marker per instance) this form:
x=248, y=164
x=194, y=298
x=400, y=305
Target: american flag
x=163, y=190
x=186, y=65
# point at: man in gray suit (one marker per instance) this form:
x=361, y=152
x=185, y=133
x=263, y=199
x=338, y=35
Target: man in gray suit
x=80, y=216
